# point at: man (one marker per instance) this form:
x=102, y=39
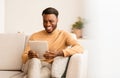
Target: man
x=58, y=41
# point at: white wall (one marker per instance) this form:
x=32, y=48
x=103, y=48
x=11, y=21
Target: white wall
x=104, y=30
x=25, y=15
x=2, y=13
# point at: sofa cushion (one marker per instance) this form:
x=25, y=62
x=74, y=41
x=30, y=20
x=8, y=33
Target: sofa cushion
x=11, y=48
x=11, y=74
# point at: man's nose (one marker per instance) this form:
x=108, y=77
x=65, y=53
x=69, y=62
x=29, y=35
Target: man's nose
x=48, y=24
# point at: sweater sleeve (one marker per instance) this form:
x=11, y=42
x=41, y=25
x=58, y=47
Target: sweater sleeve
x=75, y=47
x=25, y=53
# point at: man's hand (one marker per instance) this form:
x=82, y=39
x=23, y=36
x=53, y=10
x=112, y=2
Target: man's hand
x=32, y=54
x=53, y=54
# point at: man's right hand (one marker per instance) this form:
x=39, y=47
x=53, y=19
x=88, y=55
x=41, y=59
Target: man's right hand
x=32, y=54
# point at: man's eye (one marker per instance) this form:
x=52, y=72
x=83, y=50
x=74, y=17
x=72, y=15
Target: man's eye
x=51, y=21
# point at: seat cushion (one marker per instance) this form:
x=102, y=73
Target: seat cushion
x=11, y=74
x=11, y=49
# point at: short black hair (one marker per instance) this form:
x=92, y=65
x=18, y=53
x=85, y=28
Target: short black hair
x=50, y=10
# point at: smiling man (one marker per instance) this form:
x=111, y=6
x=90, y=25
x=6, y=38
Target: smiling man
x=58, y=41
x=50, y=22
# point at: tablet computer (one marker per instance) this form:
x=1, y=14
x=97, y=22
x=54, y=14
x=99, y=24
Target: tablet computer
x=39, y=46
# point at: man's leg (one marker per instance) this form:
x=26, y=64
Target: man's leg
x=35, y=68
x=32, y=68
x=59, y=66
x=45, y=70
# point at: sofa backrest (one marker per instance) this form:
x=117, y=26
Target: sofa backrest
x=11, y=49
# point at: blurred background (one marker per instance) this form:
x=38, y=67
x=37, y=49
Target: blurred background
x=101, y=30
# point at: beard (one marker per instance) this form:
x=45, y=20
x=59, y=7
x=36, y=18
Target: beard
x=50, y=29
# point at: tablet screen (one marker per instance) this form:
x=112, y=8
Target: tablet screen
x=39, y=46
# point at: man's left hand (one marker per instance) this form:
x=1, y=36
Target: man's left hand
x=53, y=54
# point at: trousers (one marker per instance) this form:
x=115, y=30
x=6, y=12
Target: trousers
x=34, y=68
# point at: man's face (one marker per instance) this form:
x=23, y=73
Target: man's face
x=50, y=22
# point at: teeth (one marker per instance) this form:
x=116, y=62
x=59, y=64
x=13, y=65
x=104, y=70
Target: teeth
x=49, y=27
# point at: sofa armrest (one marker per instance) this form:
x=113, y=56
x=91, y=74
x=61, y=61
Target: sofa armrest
x=77, y=67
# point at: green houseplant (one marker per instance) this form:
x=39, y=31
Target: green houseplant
x=77, y=27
